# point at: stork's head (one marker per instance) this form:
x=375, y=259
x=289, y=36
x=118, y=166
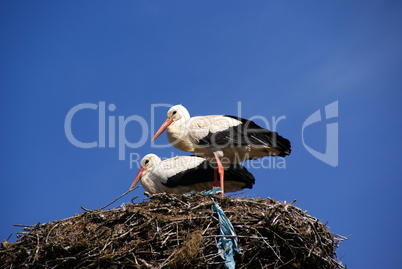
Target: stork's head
x=175, y=113
x=147, y=163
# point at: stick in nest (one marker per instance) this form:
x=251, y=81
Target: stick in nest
x=127, y=192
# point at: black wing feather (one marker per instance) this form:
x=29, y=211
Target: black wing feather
x=247, y=133
x=205, y=173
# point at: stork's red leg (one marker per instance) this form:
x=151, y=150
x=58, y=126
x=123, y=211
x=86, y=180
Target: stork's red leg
x=215, y=179
x=221, y=171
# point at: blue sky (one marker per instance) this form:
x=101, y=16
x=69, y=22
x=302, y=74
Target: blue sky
x=277, y=58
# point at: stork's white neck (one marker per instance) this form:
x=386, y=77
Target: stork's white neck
x=178, y=135
x=150, y=185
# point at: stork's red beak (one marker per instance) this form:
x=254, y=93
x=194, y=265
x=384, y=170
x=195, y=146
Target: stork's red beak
x=163, y=127
x=137, y=178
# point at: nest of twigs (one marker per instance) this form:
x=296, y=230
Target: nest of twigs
x=176, y=231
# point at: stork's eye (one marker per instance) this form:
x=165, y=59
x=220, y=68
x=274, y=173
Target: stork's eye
x=146, y=162
x=174, y=112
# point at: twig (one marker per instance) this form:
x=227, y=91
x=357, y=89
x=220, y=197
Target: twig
x=28, y=227
x=54, y=226
x=135, y=197
x=9, y=237
x=37, y=248
x=89, y=210
x=167, y=260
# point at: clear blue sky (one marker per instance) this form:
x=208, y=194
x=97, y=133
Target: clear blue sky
x=277, y=58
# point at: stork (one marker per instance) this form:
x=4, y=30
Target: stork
x=183, y=174
x=221, y=138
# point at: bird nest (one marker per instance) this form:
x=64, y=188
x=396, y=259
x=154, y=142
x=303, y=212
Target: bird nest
x=177, y=231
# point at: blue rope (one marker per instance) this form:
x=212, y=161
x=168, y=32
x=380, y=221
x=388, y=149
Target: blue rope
x=227, y=246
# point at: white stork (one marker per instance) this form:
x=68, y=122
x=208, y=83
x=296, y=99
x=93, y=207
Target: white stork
x=183, y=174
x=221, y=138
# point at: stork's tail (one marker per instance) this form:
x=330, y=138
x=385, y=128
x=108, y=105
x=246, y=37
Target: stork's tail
x=281, y=144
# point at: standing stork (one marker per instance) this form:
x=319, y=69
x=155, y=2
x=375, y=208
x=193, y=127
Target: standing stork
x=221, y=138
x=183, y=174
